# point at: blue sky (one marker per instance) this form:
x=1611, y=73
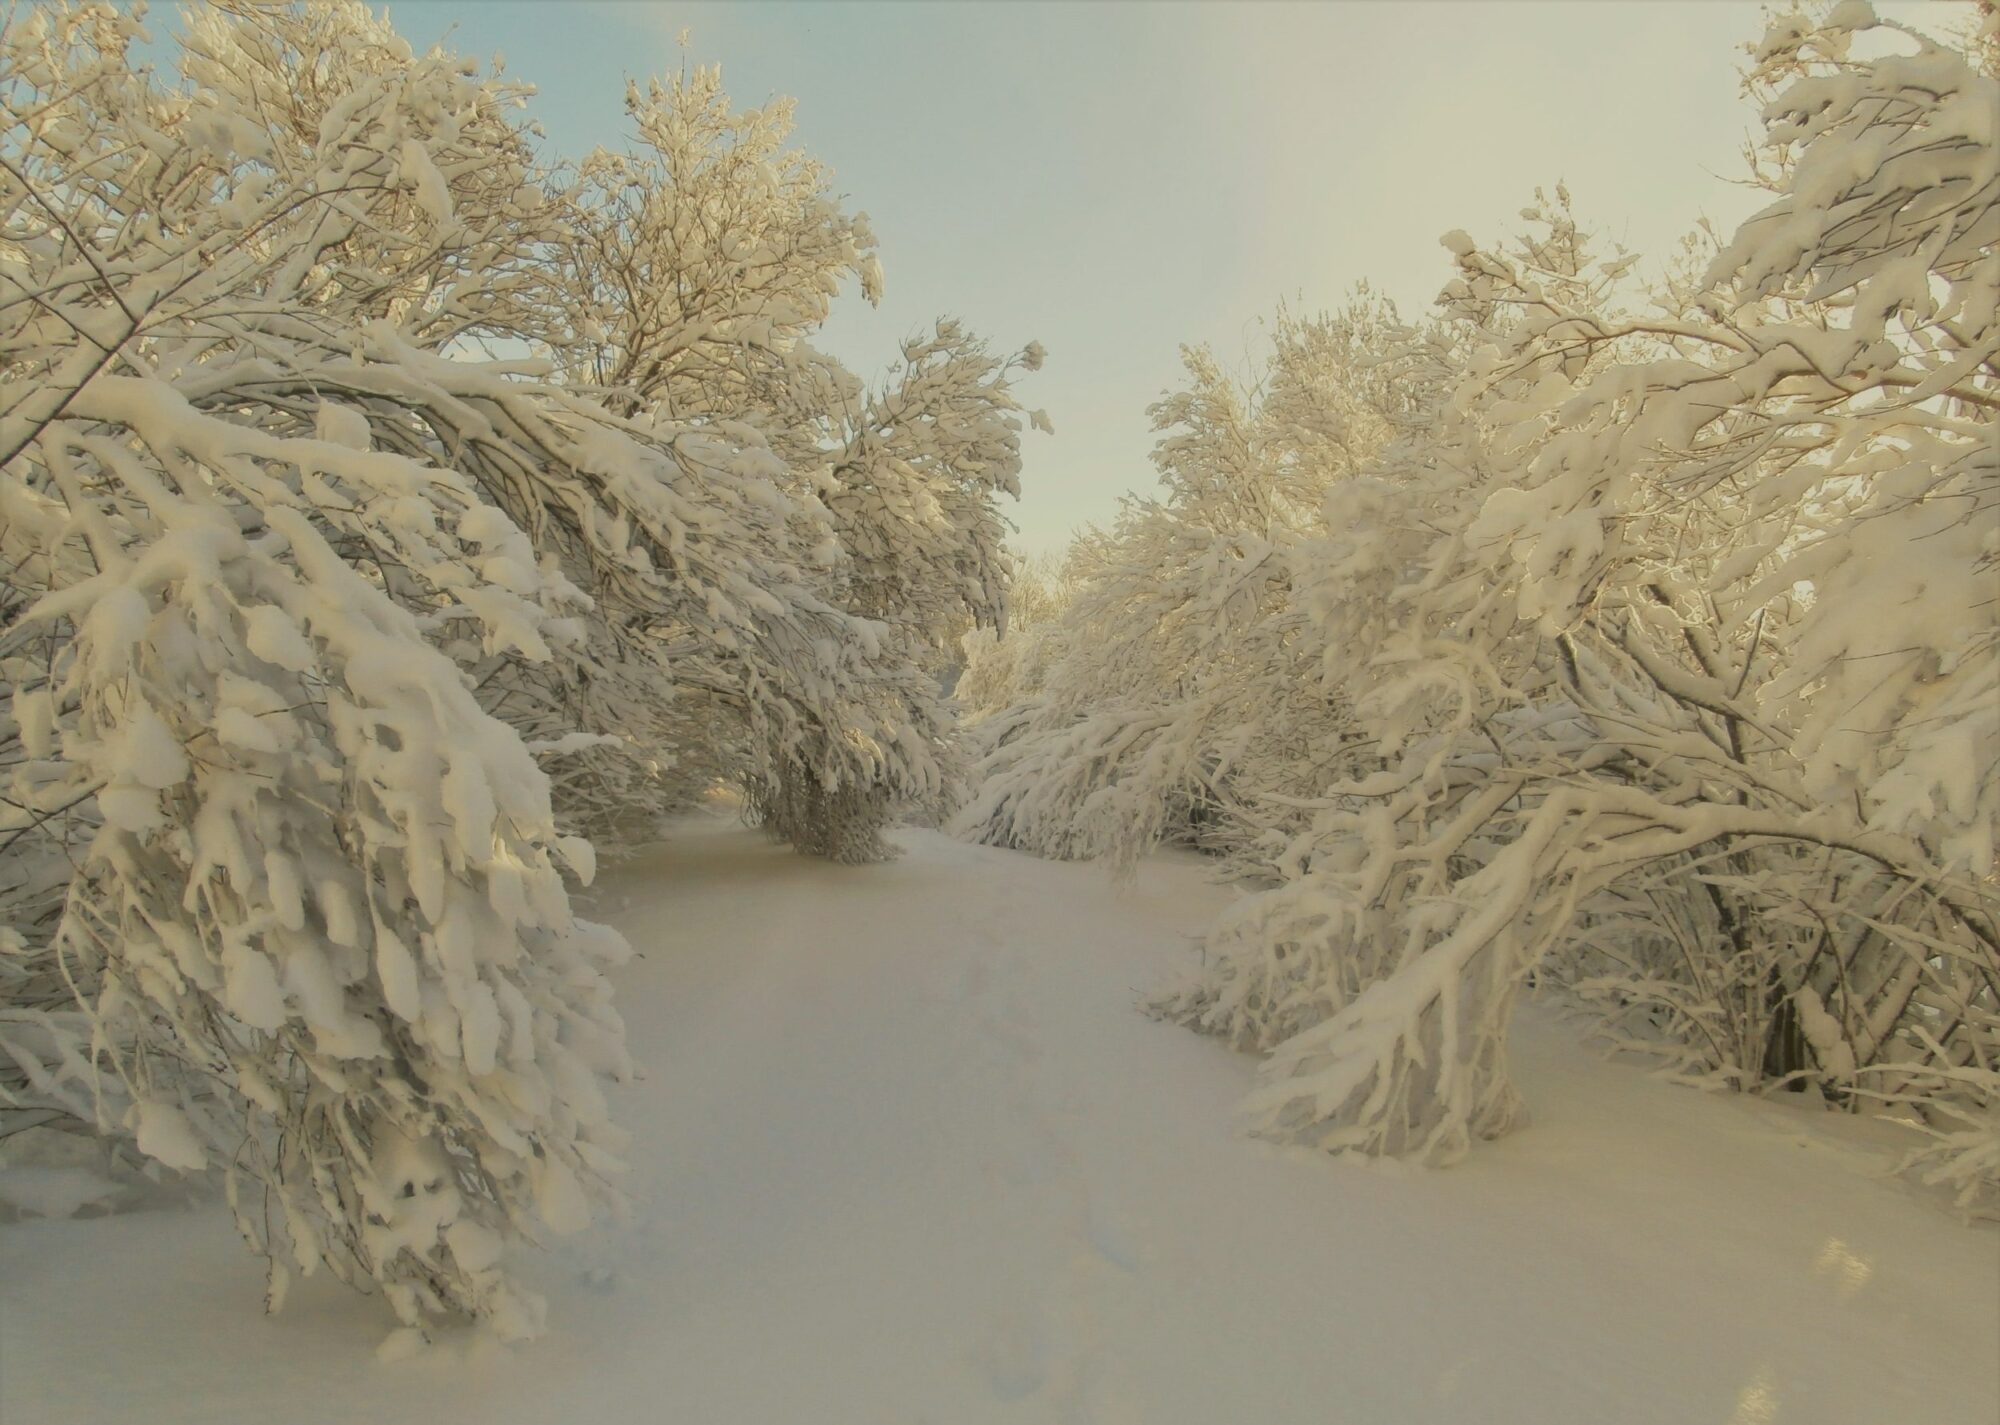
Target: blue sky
x=1117, y=179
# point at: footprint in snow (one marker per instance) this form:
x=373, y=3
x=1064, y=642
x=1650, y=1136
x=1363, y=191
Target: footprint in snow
x=1013, y=1358
x=1112, y=1235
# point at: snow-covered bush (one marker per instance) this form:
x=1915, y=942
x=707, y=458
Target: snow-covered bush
x=1644, y=642
x=306, y=566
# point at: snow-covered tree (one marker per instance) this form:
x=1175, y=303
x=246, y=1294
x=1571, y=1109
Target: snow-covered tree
x=1002, y=669
x=917, y=481
x=308, y=898
x=1176, y=695
x=305, y=567
x=1652, y=651
x=691, y=273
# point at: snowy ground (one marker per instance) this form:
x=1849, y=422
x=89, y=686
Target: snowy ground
x=907, y=1154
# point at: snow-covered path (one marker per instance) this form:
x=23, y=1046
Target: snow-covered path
x=907, y=1154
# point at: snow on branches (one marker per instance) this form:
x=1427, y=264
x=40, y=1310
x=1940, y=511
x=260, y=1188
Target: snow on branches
x=348, y=578
x=690, y=273
x=1641, y=643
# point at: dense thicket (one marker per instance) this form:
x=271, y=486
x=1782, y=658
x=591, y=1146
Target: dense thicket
x=390, y=521
x=1640, y=640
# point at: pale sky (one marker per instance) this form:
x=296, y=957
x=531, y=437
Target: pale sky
x=1116, y=179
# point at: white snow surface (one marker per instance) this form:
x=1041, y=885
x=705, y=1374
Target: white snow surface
x=908, y=1152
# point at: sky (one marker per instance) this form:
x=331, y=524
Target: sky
x=1114, y=180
